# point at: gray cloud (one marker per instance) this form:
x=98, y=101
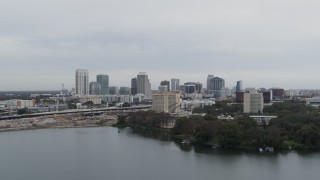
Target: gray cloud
x=264, y=43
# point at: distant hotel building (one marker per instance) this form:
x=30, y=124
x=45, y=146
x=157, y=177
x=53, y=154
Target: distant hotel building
x=168, y=102
x=103, y=79
x=82, y=82
x=253, y=102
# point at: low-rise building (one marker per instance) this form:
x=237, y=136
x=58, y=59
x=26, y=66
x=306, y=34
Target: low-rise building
x=18, y=103
x=313, y=101
x=263, y=119
x=95, y=99
x=191, y=104
x=223, y=117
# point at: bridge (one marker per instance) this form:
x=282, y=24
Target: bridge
x=77, y=111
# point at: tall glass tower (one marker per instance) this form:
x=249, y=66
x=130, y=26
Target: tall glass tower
x=103, y=79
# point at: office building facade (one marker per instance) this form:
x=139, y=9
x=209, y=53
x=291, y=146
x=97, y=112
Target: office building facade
x=143, y=84
x=175, y=84
x=134, y=86
x=103, y=79
x=95, y=88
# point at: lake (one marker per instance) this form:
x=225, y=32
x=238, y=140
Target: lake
x=104, y=154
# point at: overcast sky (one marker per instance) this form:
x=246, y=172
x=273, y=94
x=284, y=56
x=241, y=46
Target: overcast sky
x=264, y=43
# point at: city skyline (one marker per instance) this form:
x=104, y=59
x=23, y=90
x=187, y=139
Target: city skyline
x=154, y=84
x=264, y=44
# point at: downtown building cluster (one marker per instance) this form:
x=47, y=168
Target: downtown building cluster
x=170, y=94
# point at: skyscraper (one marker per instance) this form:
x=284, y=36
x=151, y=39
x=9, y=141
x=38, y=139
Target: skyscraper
x=134, y=86
x=175, y=86
x=210, y=76
x=82, y=82
x=95, y=88
x=239, y=87
x=143, y=84
x=217, y=83
x=103, y=79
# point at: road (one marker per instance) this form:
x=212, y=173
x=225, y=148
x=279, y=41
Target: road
x=76, y=111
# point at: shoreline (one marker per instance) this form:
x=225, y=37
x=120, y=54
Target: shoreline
x=57, y=122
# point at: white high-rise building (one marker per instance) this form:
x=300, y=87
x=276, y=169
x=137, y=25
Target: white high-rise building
x=143, y=84
x=167, y=102
x=253, y=102
x=82, y=82
x=175, y=85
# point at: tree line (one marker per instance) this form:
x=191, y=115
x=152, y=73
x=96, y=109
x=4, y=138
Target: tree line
x=297, y=126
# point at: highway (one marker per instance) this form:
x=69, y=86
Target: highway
x=75, y=111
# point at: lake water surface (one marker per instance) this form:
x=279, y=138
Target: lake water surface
x=104, y=154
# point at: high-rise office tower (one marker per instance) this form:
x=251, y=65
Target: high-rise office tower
x=134, y=88
x=210, y=76
x=95, y=88
x=82, y=82
x=217, y=83
x=165, y=83
x=103, y=79
x=175, y=86
x=239, y=87
x=143, y=84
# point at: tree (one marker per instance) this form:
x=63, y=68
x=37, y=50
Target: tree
x=22, y=111
x=126, y=104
